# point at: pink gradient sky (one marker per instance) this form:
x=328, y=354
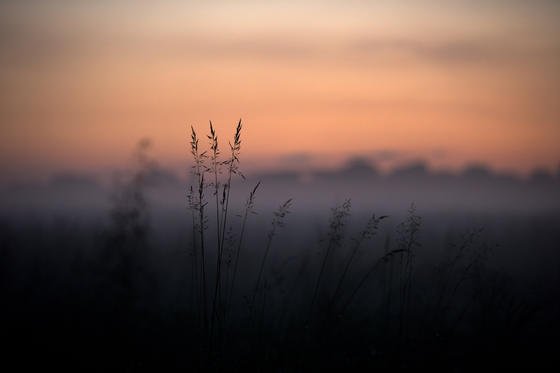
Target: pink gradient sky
x=82, y=81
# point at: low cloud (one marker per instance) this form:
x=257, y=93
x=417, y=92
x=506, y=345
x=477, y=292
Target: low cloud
x=40, y=44
x=296, y=158
x=386, y=155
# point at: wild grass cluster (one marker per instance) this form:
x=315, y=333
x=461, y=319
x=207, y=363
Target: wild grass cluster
x=235, y=290
x=302, y=311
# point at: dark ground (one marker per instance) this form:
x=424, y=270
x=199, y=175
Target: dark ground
x=481, y=292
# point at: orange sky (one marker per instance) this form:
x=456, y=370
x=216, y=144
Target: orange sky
x=82, y=81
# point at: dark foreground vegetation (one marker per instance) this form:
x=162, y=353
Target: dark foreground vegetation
x=232, y=290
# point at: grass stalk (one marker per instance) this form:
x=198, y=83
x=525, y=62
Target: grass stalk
x=366, y=234
x=335, y=234
x=277, y=222
x=233, y=168
x=248, y=209
x=199, y=170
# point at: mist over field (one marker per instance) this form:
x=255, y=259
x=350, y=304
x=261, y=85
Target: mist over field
x=473, y=189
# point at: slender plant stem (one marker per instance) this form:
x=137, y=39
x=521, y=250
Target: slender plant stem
x=248, y=209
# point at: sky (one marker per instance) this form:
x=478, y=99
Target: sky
x=453, y=82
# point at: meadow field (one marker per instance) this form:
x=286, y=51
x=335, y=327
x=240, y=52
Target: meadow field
x=219, y=274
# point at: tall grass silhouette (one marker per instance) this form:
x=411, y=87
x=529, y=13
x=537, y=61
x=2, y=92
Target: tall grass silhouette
x=328, y=298
x=237, y=287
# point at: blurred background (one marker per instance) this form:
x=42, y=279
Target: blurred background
x=460, y=89
x=449, y=82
